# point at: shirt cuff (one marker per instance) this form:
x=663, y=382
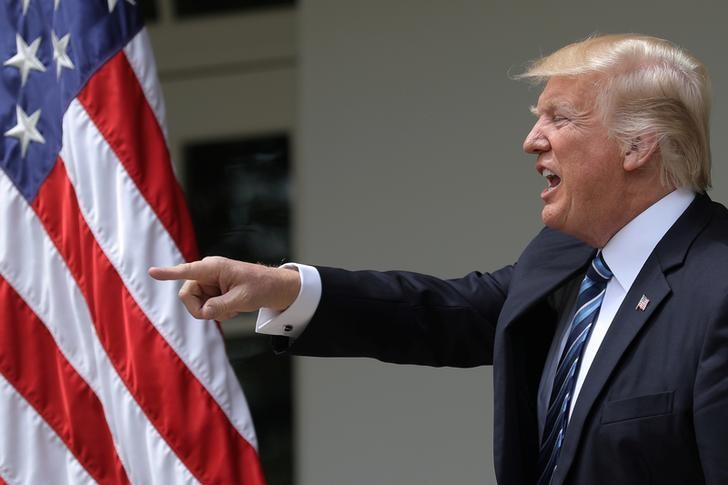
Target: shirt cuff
x=294, y=319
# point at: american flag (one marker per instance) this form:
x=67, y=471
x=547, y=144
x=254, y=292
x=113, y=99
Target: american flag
x=103, y=375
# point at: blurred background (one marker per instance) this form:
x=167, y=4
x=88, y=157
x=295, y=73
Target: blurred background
x=384, y=135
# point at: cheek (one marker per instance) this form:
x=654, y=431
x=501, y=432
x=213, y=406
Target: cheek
x=594, y=187
x=586, y=171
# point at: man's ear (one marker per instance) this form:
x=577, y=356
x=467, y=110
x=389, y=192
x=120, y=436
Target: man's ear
x=641, y=151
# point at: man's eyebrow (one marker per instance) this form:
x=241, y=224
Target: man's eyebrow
x=555, y=105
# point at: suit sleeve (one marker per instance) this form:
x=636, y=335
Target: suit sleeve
x=711, y=400
x=405, y=318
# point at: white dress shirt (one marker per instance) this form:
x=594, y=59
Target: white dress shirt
x=625, y=254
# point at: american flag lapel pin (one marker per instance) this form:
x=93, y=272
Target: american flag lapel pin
x=644, y=301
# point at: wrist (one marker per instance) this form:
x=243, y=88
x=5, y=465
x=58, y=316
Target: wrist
x=288, y=286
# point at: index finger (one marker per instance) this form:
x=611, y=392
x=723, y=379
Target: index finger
x=184, y=271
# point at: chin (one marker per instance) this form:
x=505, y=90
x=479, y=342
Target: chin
x=550, y=219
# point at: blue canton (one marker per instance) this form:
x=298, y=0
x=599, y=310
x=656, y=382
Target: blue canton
x=48, y=50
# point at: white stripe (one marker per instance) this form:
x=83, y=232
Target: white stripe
x=141, y=58
x=576, y=341
x=120, y=219
x=596, y=268
x=562, y=387
x=30, y=451
x=598, y=295
x=30, y=263
x=580, y=316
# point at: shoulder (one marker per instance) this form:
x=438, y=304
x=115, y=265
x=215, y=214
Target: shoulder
x=703, y=270
x=709, y=251
x=551, y=246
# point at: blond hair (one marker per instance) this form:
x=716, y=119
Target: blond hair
x=648, y=86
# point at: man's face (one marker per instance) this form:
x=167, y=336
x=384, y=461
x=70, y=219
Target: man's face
x=583, y=167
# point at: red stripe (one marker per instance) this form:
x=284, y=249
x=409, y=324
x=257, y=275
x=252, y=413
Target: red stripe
x=175, y=402
x=116, y=103
x=32, y=363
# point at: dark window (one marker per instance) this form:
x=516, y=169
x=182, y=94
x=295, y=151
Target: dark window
x=189, y=8
x=238, y=193
x=149, y=10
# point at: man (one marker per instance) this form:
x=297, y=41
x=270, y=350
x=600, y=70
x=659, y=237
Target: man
x=609, y=336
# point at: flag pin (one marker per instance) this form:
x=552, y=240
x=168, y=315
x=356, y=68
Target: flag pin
x=644, y=301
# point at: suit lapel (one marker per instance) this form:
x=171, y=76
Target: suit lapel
x=630, y=318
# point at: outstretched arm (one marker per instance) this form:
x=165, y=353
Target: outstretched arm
x=218, y=288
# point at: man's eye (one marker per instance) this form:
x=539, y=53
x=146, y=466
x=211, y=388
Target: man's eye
x=559, y=118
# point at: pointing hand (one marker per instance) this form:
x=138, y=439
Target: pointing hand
x=218, y=288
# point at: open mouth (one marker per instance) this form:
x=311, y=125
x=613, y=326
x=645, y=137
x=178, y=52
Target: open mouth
x=552, y=181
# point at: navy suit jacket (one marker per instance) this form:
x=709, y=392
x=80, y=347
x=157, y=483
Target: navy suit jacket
x=654, y=404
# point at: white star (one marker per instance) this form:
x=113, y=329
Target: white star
x=25, y=58
x=112, y=4
x=25, y=6
x=59, y=53
x=25, y=130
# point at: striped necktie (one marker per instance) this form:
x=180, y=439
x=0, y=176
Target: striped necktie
x=588, y=302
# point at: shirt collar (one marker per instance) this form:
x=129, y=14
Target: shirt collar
x=630, y=247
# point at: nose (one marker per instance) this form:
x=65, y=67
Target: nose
x=535, y=141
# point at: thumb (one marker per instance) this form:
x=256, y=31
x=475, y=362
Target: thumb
x=219, y=307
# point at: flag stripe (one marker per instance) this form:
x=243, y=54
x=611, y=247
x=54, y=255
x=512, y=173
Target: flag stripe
x=132, y=342
x=30, y=451
x=117, y=105
x=116, y=213
x=139, y=54
x=38, y=274
x=41, y=374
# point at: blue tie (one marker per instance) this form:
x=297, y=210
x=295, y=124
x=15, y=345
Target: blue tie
x=588, y=302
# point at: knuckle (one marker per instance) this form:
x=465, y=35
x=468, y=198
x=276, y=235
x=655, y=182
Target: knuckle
x=213, y=260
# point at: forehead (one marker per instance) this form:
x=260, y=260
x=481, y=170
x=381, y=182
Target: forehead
x=574, y=92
